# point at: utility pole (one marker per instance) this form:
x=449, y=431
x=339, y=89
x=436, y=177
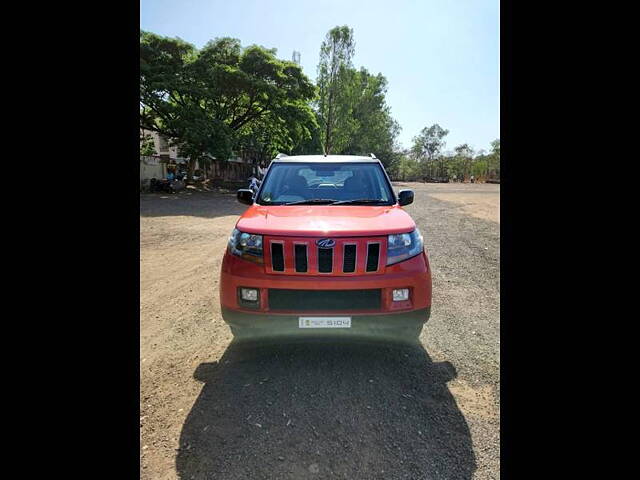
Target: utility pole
x=296, y=57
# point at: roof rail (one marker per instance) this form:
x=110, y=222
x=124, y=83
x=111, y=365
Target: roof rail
x=373, y=156
x=281, y=155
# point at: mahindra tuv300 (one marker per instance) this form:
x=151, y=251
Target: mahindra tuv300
x=326, y=248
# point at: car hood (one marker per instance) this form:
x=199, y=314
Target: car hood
x=325, y=220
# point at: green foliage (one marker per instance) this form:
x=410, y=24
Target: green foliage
x=374, y=130
x=495, y=147
x=352, y=113
x=479, y=168
x=404, y=168
x=493, y=160
x=335, y=77
x=222, y=97
x=464, y=151
x=462, y=161
x=311, y=145
x=226, y=98
x=147, y=146
x=428, y=144
x=426, y=149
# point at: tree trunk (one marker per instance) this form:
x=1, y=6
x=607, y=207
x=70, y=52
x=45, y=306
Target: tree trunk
x=327, y=140
x=191, y=164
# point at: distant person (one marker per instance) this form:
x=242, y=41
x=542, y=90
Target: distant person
x=171, y=176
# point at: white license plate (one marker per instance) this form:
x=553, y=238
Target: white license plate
x=324, y=322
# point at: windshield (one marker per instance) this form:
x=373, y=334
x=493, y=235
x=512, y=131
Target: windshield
x=289, y=183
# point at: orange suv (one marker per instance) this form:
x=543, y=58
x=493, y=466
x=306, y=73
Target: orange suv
x=326, y=248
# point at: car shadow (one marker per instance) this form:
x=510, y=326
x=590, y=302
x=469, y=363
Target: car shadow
x=325, y=410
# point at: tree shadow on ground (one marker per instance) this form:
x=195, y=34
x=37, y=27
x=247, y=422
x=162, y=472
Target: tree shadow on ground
x=195, y=204
x=325, y=410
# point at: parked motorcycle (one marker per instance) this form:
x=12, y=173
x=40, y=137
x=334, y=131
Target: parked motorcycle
x=165, y=186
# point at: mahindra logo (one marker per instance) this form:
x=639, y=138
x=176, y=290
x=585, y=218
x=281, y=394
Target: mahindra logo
x=326, y=243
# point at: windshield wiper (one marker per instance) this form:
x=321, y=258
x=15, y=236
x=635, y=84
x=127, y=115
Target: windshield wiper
x=359, y=200
x=321, y=201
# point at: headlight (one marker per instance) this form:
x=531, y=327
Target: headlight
x=403, y=246
x=246, y=245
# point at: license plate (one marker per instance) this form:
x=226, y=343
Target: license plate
x=324, y=322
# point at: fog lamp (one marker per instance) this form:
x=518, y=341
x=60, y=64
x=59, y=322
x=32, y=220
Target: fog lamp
x=249, y=294
x=400, y=294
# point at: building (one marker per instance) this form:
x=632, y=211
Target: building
x=167, y=155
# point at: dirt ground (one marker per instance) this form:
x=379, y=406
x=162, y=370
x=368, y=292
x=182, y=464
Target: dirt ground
x=474, y=200
x=211, y=408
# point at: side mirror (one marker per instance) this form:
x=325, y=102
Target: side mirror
x=245, y=195
x=405, y=197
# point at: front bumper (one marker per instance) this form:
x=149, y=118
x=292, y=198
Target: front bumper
x=361, y=325
x=413, y=273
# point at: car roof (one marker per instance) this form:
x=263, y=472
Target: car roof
x=326, y=159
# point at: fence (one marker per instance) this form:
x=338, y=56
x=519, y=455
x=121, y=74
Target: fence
x=225, y=171
x=151, y=167
x=230, y=171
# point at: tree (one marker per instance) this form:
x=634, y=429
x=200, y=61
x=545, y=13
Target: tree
x=147, y=146
x=334, y=77
x=310, y=145
x=170, y=102
x=495, y=147
x=404, y=168
x=374, y=130
x=428, y=144
x=209, y=101
x=464, y=153
x=494, y=159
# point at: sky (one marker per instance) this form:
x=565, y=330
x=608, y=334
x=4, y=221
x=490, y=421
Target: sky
x=441, y=58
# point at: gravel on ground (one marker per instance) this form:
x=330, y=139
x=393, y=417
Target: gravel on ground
x=213, y=408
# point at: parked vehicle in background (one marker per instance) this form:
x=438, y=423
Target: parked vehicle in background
x=160, y=186
x=325, y=246
x=165, y=186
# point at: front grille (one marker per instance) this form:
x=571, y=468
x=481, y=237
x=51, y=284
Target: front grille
x=277, y=257
x=325, y=260
x=373, y=257
x=349, y=259
x=302, y=256
x=324, y=300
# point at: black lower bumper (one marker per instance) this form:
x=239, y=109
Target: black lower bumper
x=375, y=325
